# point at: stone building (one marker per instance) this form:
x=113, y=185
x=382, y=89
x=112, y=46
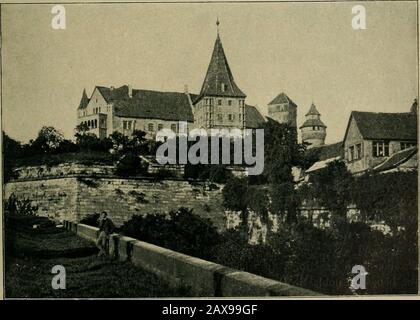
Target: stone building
x=283, y=110
x=313, y=130
x=219, y=105
x=371, y=138
x=378, y=142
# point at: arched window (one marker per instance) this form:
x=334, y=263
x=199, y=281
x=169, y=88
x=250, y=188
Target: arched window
x=96, y=123
x=150, y=127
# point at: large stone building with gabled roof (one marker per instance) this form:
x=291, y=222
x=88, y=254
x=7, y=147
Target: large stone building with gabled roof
x=219, y=105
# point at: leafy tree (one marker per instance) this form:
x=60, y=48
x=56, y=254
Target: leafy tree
x=282, y=152
x=12, y=150
x=331, y=188
x=48, y=140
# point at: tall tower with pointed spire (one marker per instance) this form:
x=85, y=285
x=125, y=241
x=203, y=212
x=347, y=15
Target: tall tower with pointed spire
x=313, y=130
x=220, y=104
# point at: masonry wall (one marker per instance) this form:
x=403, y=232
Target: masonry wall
x=74, y=197
x=201, y=277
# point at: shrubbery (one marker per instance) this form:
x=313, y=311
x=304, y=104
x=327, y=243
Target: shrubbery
x=181, y=231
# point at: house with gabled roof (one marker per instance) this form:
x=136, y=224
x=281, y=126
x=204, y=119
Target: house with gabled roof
x=372, y=139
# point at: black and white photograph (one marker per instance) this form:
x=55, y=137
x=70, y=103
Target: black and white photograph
x=209, y=150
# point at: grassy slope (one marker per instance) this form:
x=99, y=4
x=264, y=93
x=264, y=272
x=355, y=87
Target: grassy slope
x=35, y=252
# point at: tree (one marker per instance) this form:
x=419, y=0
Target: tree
x=282, y=152
x=12, y=150
x=48, y=140
x=331, y=187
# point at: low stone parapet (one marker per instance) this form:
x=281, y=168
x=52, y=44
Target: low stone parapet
x=201, y=277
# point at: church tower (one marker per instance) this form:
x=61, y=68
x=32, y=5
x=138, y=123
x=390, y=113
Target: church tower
x=313, y=129
x=220, y=104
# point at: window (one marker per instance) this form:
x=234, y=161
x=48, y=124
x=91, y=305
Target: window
x=380, y=148
x=241, y=103
x=406, y=145
x=219, y=102
x=351, y=153
x=124, y=125
x=150, y=127
x=129, y=125
x=96, y=123
x=230, y=102
x=358, y=151
x=231, y=117
x=220, y=117
x=160, y=126
x=173, y=127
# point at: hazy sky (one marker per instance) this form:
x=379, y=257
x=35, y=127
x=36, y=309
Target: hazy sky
x=307, y=50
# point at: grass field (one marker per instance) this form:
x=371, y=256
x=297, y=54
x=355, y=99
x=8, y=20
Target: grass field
x=33, y=253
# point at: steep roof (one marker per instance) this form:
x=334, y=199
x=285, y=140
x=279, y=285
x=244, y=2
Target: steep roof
x=282, y=98
x=173, y=106
x=313, y=122
x=254, y=118
x=386, y=126
x=113, y=94
x=313, y=111
x=219, y=72
x=397, y=159
x=327, y=151
x=84, y=101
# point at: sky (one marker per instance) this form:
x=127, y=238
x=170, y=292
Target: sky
x=307, y=50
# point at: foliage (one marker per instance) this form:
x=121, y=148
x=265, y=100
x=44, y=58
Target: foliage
x=331, y=188
x=282, y=152
x=91, y=219
x=209, y=172
x=390, y=197
x=130, y=165
x=181, y=231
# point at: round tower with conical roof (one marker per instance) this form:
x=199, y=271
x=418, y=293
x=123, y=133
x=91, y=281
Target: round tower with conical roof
x=313, y=130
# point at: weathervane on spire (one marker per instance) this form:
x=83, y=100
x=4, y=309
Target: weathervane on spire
x=217, y=24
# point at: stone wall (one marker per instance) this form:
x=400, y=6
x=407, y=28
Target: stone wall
x=201, y=277
x=74, y=196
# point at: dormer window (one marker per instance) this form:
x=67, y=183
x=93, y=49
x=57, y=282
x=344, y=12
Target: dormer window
x=223, y=87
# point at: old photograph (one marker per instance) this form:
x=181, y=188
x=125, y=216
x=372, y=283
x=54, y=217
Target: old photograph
x=179, y=150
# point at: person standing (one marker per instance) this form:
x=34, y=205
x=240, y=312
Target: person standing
x=106, y=227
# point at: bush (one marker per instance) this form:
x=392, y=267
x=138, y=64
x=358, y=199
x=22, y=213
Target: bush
x=91, y=219
x=131, y=165
x=181, y=231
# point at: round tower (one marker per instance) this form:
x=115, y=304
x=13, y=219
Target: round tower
x=313, y=130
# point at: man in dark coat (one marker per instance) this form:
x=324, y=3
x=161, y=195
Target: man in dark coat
x=106, y=227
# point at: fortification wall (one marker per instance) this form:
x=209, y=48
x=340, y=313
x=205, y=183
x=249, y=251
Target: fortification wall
x=71, y=196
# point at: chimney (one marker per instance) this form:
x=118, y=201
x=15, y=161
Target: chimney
x=185, y=89
x=130, y=91
x=112, y=88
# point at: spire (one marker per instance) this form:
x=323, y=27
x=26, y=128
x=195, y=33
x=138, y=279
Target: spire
x=219, y=79
x=84, y=101
x=313, y=111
